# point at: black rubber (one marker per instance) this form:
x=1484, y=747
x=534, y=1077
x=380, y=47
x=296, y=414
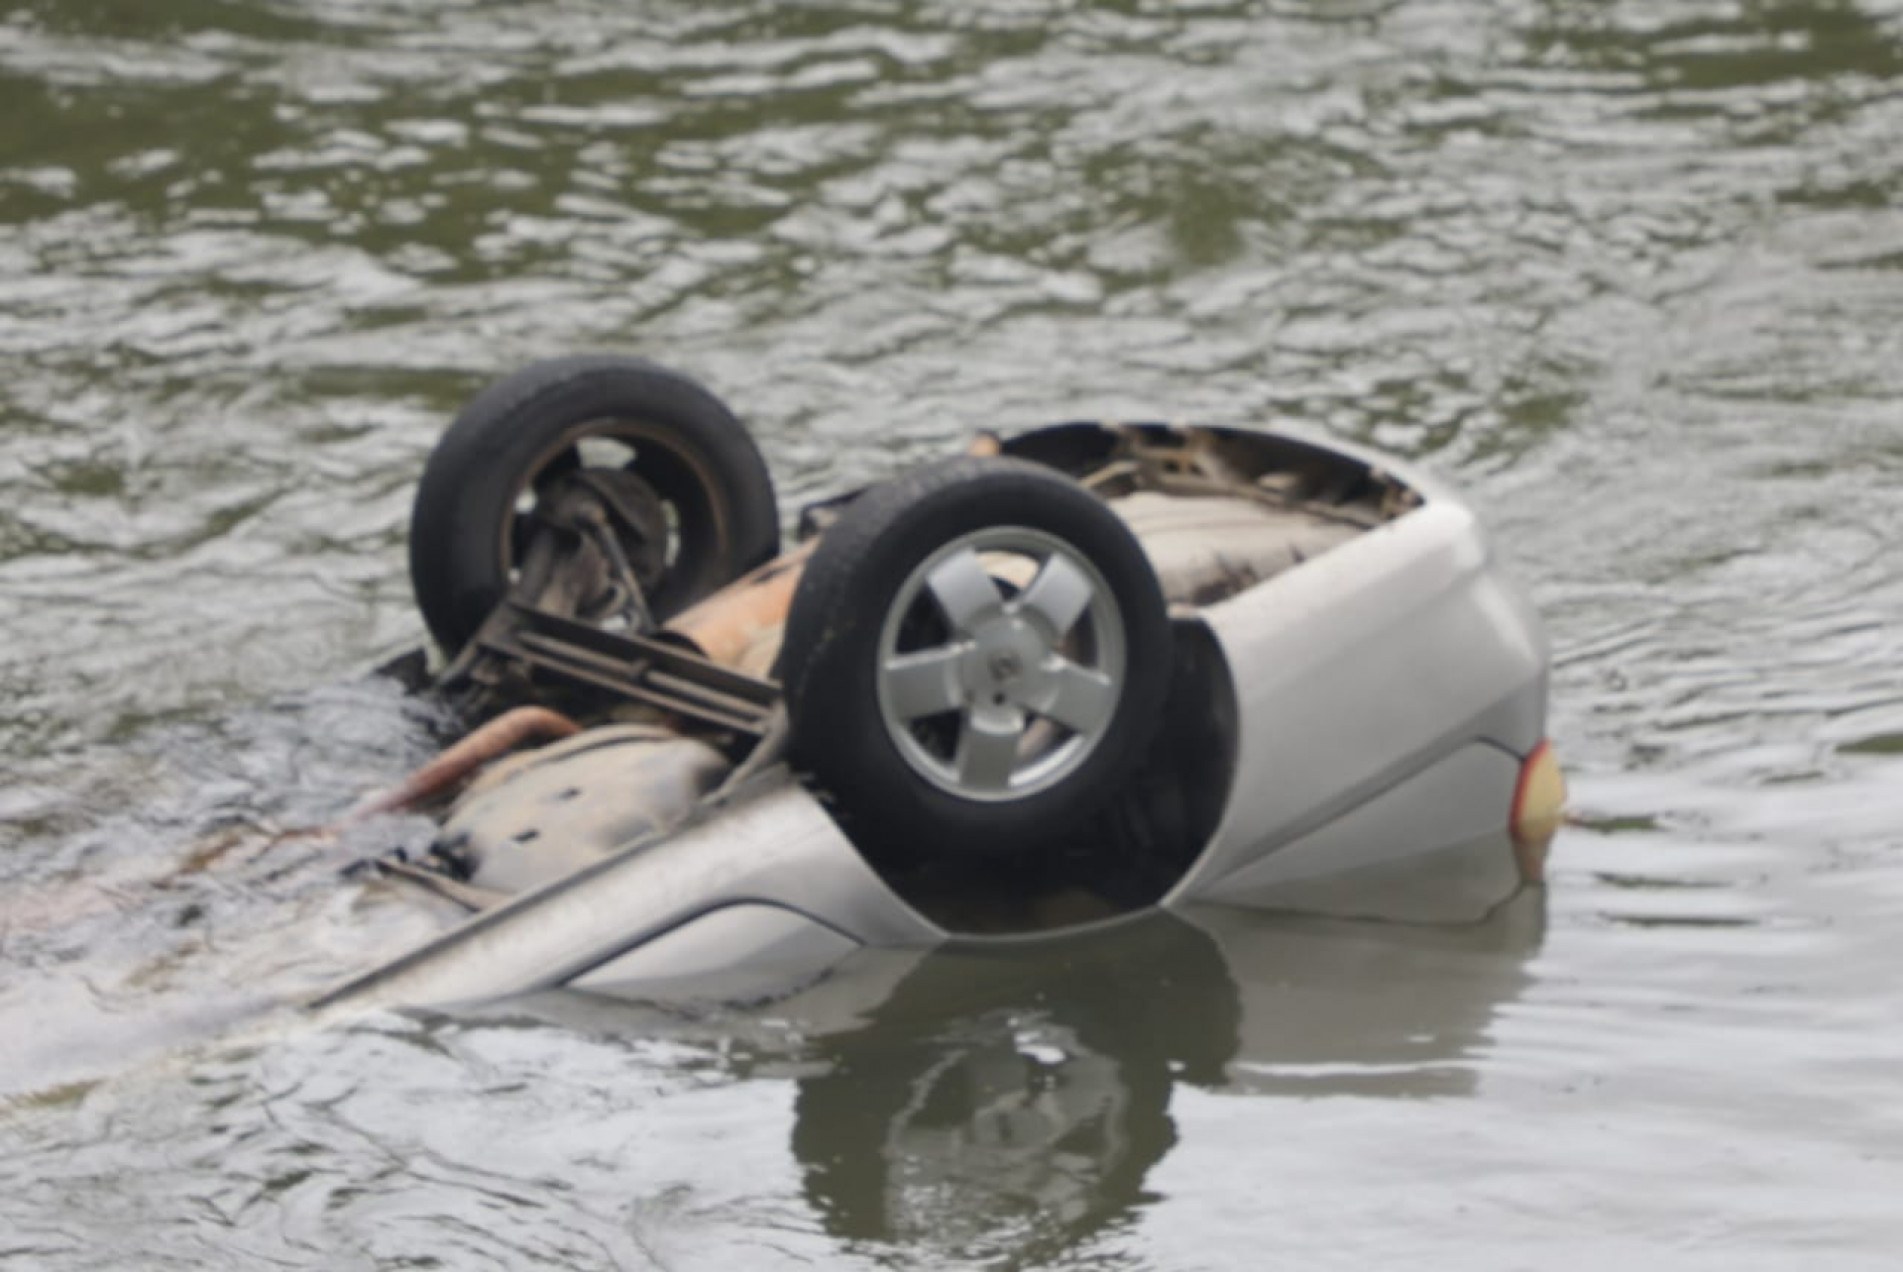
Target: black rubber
x=828, y=660
x=690, y=448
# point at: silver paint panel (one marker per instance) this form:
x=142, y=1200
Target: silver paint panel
x=1361, y=668
x=738, y=953
x=775, y=845
x=1432, y=849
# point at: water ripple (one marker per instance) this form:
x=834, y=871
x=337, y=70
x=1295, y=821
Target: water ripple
x=1627, y=272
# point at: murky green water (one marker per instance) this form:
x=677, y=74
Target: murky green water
x=1630, y=273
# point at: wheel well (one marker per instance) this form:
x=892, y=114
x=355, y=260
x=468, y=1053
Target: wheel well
x=1125, y=857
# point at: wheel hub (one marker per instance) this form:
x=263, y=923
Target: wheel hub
x=1027, y=676
x=1003, y=663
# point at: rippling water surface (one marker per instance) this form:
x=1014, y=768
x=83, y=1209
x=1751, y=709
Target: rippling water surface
x=1630, y=273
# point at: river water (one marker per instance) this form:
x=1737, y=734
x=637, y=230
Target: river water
x=1630, y=273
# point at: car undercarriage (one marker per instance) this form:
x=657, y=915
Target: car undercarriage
x=1064, y=678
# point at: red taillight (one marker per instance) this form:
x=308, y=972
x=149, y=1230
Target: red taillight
x=1539, y=803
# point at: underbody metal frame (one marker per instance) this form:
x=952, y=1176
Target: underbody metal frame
x=636, y=668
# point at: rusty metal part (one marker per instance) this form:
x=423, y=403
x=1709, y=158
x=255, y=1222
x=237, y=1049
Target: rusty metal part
x=655, y=672
x=1194, y=464
x=740, y=625
x=633, y=602
x=497, y=738
x=724, y=627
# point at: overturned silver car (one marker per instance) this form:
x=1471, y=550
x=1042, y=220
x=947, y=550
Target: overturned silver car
x=1063, y=680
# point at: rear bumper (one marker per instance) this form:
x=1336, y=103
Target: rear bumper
x=1386, y=697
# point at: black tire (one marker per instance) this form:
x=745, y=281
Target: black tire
x=688, y=447
x=840, y=648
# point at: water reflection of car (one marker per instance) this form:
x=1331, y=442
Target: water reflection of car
x=1075, y=676
x=1007, y=1102
x=1012, y=1103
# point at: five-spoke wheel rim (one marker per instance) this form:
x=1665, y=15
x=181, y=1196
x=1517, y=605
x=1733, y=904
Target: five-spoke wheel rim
x=1000, y=663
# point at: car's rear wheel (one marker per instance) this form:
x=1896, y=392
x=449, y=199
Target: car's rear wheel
x=689, y=492
x=976, y=658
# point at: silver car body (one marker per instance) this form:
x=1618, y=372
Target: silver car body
x=1372, y=712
